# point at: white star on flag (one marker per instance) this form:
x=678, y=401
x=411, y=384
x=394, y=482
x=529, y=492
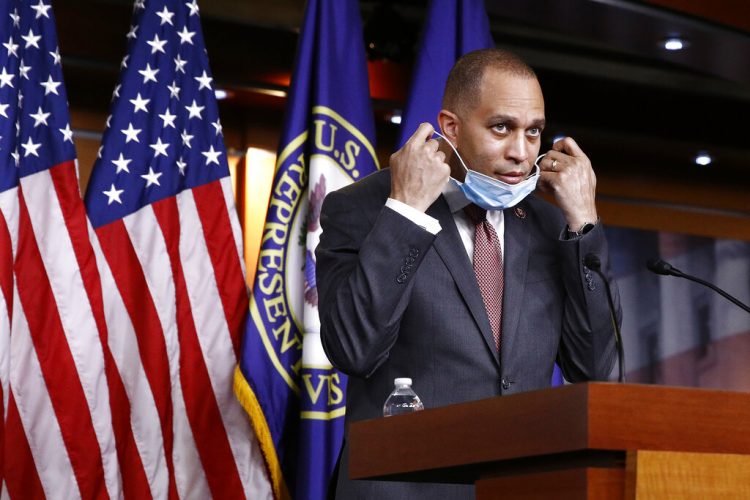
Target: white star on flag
x=40, y=117
x=179, y=64
x=124, y=62
x=181, y=165
x=3, y=112
x=24, y=70
x=131, y=33
x=6, y=79
x=113, y=195
x=31, y=39
x=186, y=138
x=12, y=47
x=152, y=177
x=148, y=74
x=67, y=133
x=30, y=148
x=194, y=110
x=122, y=164
x=165, y=16
x=193, y=6
x=56, y=56
x=204, y=80
x=15, y=17
x=139, y=104
x=174, y=90
x=157, y=45
x=50, y=86
x=41, y=9
x=168, y=119
x=160, y=148
x=212, y=156
x=186, y=36
x=217, y=126
x=131, y=134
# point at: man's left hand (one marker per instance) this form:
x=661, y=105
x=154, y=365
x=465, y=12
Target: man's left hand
x=567, y=175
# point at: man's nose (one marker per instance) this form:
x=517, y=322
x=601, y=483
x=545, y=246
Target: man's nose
x=517, y=148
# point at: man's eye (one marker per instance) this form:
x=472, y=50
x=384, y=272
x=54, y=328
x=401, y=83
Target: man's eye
x=500, y=127
x=534, y=132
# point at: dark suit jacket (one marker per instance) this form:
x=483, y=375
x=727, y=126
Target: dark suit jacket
x=397, y=301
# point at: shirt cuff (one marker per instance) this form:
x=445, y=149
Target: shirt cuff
x=421, y=219
x=568, y=235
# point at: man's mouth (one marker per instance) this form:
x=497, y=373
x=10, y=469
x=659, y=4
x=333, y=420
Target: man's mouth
x=511, y=177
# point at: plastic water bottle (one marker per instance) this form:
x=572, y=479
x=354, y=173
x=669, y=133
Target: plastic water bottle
x=402, y=400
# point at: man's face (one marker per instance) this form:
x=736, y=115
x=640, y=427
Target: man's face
x=501, y=135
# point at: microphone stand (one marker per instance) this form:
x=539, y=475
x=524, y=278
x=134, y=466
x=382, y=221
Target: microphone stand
x=592, y=262
x=658, y=266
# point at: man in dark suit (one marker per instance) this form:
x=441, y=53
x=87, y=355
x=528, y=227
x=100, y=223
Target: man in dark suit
x=468, y=304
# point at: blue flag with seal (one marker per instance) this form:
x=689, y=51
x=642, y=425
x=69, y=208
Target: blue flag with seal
x=452, y=28
x=294, y=397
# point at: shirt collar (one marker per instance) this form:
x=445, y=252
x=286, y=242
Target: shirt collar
x=453, y=195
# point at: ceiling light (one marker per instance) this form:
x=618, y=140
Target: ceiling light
x=674, y=43
x=267, y=90
x=396, y=118
x=221, y=94
x=703, y=159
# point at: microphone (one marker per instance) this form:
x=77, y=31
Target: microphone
x=593, y=262
x=658, y=266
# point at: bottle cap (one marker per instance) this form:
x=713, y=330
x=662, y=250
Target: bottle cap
x=402, y=381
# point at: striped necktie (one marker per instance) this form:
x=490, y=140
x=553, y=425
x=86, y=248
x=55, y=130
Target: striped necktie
x=488, y=267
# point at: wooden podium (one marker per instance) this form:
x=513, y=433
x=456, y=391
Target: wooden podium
x=592, y=441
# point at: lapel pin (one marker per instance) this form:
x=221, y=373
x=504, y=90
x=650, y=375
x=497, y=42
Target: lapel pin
x=520, y=213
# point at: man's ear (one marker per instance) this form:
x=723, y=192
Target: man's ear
x=449, y=124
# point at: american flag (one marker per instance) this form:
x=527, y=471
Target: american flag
x=59, y=434
x=117, y=347
x=169, y=250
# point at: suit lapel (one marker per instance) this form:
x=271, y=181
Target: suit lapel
x=451, y=250
x=516, y=263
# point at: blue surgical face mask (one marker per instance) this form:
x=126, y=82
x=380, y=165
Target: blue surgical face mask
x=490, y=193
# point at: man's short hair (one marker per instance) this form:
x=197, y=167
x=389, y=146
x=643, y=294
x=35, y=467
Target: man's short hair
x=465, y=78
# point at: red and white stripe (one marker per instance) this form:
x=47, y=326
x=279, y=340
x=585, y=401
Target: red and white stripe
x=178, y=308
x=8, y=234
x=119, y=348
x=59, y=399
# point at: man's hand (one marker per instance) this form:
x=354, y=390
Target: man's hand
x=418, y=170
x=566, y=174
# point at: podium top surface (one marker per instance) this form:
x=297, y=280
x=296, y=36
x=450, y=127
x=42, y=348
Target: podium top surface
x=574, y=418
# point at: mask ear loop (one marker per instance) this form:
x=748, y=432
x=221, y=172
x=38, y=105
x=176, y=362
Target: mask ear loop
x=538, y=159
x=453, y=148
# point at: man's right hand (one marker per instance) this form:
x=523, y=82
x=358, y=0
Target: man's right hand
x=418, y=170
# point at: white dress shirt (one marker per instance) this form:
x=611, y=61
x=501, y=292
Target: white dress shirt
x=456, y=202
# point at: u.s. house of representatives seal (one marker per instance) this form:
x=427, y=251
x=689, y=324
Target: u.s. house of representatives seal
x=329, y=155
